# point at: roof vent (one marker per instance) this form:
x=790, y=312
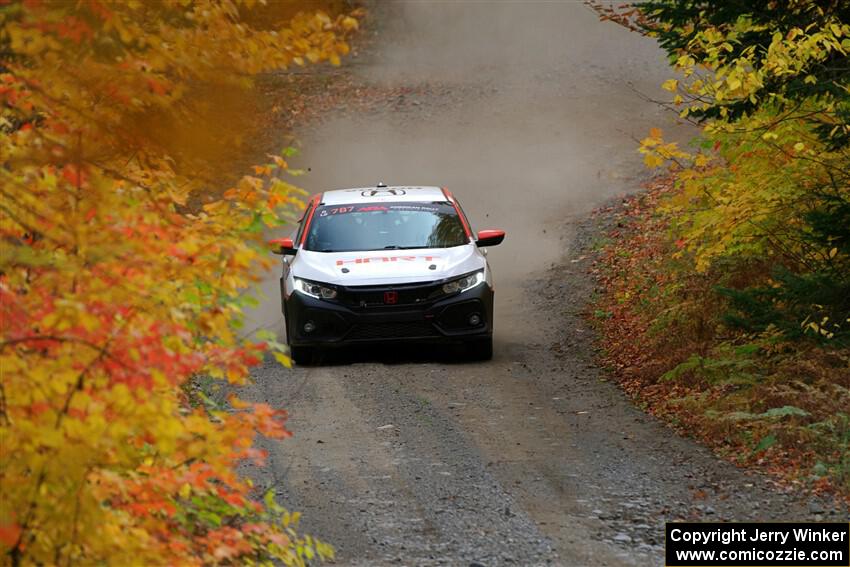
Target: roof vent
x=383, y=192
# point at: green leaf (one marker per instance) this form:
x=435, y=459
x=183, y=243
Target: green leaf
x=783, y=412
x=820, y=469
x=210, y=518
x=766, y=443
x=256, y=224
x=748, y=349
x=266, y=335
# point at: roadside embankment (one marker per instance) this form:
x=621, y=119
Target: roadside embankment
x=668, y=333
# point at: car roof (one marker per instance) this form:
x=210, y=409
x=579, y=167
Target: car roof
x=381, y=194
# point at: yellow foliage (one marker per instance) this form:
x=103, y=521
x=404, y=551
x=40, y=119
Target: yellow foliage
x=115, y=290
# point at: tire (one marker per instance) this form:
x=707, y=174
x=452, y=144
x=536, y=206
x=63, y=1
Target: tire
x=302, y=356
x=480, y=349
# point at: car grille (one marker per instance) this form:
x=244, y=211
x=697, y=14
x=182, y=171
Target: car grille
x=392, y=330
x=373, y=296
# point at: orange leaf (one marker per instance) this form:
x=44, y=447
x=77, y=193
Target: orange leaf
x=9, y=534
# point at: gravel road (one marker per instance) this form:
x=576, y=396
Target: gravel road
x=529, y=113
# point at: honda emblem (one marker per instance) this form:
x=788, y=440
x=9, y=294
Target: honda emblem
x=390, y=297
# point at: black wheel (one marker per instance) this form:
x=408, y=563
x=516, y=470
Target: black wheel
x=302, y=356
x=480, y=349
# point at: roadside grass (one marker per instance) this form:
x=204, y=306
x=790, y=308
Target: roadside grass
x=759, y=399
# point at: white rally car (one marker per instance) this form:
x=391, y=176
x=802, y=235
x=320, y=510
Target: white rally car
x=381, y=264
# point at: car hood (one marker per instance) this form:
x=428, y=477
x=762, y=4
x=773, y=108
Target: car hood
x=387, y=266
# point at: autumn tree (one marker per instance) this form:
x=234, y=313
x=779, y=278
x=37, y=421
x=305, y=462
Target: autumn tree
x=117, y=286
x=769, y=83
x=749, y=283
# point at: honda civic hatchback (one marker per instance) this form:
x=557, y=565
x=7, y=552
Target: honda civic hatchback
x=386, y=264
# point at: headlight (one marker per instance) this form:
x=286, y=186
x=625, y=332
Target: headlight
x=314, y=290
x=467, y=282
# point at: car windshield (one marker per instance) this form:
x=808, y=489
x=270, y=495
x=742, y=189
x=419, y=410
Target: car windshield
x=384, y=226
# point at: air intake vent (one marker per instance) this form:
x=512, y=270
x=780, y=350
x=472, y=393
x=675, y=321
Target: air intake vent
x=384, y=192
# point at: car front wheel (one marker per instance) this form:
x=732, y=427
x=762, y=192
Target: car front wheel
x=480, y=349
x=302, y=356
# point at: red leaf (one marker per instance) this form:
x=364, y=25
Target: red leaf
x=74, y=175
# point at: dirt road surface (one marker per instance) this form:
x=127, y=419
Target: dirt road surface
x=529, y=113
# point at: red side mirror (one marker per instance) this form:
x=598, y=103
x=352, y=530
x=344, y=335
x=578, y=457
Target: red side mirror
x=490, y=237
x=283, y=246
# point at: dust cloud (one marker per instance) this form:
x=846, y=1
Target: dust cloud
x=542, y=122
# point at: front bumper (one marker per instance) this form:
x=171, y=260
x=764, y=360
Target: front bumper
x=339, y=323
